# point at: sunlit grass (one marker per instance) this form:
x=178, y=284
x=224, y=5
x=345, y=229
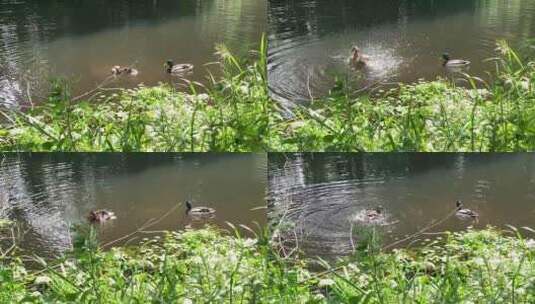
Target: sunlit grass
x=211, y=266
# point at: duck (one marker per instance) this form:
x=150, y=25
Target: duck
x=375, y=216
x=199, y=211
x=357, y=57
x=181, y=68
x=117, y=70
x=130, y=71
x=465, y=213
x=375, y=213
x=100, y=216
x=454, y=63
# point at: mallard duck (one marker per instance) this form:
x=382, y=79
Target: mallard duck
x=357, y=58
x=454, y=63
x=375, y=213
x=100, y=216
x=371, y=216
x=199, y=211
x=116, y=70
x=465, y=213
x=130, y=71
x=182, y=68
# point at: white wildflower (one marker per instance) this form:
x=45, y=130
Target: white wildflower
x=249, y=242
x=325, y=282
x=42, y=280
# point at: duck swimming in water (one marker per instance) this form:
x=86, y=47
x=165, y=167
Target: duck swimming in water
x=130, y=71
x=454, y=63
x=375, y=216
x=119, y=70
x=182, y=68
x=100, y=216
x=116, y=70
x=464, y=213
x=375, y=213
x=199, y=211
x=358, y=58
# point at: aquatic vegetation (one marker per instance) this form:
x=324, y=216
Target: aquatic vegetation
x=211, y=266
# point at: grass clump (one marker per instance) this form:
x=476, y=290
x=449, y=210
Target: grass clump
x=204, y=266
x=467, y=267
x=209, y=266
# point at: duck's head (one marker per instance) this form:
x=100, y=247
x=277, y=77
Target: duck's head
x=169, y=64
x=379, y=209
x=459, y=204
x=446, y=57
x=92, y=215
x=188, y=206
x=355, y=51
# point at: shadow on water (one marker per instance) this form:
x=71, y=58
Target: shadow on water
x=49, y=193
x=310, y=40
x=319, y=196
x=82, y=40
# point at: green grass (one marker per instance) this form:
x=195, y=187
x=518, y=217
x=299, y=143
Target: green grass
x=235, y=113
x=211, y=266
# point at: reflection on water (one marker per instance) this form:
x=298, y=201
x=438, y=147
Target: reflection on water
x=48, y=193
x=320, y=195
x=84, y=39
x=310, y=40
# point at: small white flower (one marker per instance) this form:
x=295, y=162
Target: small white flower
x=249, y=242
x=325, y=282
x=42, y=280
x=530, y=243
x=188, y=301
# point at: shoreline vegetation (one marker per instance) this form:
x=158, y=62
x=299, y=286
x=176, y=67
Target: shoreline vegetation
x=235, y=113
x=215, y=266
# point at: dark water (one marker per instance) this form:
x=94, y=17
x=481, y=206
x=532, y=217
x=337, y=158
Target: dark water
x=319, y=195
x=40, y=39
x=310, y=40
x=48, y=193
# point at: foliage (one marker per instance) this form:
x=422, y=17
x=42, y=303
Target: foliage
x=208, y=266
x=189, y=267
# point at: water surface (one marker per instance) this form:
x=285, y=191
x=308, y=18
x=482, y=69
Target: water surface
x=49, y=193
x=310, y=40
x=319, y=196
x=82, y=40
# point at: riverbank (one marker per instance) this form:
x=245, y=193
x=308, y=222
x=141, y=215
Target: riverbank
x=235, y=113
x=231, y=113
x=211, y=266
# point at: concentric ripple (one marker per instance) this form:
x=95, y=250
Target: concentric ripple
x=317, y=200
x=310, y=40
